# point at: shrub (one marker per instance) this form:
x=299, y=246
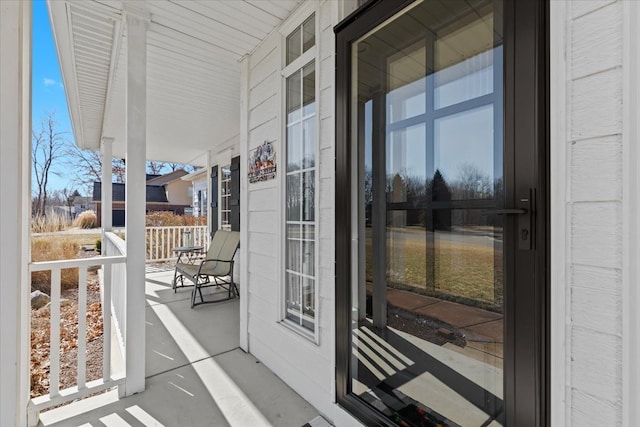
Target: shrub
x=52, y=250
x=86, y=219
x=47, y=224
x=98, y=245
x=163, y=219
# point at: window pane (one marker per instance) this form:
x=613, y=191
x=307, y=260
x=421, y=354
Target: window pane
x=308, y=202
x=308, y=257
x=465, y=153
x=406, y=164
x=309, y=33
x=309, y=143
x=309, y=232
x=294, y=46
x=293, y=231
x=293, y=255
x=294, y=147
x=407, y=83
x=293, y=197
x=293, y=98
x=308, y=295
x=464, y=65
x=293, y=296
x=309, y=87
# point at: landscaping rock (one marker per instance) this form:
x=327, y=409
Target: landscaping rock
x=63, y=303
x=39, y=299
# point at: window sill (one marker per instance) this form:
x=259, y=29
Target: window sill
x=300, y=331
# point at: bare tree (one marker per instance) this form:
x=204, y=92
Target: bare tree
x=472, y=183
x=119, y=170
x=175, y=166
x=47, y=147
x=87, y=166
x=155, y=168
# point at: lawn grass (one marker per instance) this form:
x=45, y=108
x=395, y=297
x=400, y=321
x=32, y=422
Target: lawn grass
x=459, y=269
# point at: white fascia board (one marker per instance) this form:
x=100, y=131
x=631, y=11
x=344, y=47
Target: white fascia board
x=194, y=176
x=61, y=27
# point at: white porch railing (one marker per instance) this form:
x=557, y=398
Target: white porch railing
x=116, y=276
x=162, y=240
x=83, y=388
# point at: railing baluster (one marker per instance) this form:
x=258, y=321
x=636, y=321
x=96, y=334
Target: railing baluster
x=82, y=327
x=156, y=231
x=164, y=243
x=106, y=323
x=54, y=335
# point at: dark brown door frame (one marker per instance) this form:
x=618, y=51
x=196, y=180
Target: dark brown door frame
x=526, y=159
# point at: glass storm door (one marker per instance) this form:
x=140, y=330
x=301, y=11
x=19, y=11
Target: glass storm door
x=440, y=221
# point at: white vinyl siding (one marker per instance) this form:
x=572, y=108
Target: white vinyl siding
x=304, y=364
x=589, y=213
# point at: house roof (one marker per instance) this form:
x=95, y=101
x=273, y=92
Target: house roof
x=155, y=193
x=193, y=51
x=197, y=174
x=167, y=178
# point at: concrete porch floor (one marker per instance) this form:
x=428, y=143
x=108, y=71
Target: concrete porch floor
x=196, y=374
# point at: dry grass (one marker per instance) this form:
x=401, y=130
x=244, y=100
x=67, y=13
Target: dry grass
x=87, y=219
x=51, y=223
x=56, y=247
x=48, y=249
x=167, y=219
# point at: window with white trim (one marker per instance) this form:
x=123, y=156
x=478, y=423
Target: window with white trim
x=225, y=197
x=300, y=206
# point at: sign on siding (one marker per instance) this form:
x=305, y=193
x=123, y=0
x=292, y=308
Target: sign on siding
x=262, y=163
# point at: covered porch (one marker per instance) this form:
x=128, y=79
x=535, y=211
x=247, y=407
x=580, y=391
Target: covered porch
x=196, y=374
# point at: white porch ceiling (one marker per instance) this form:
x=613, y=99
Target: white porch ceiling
x=193, y=70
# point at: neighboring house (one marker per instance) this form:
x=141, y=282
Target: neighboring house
x=198, y=182
x=165, y=193
x=81, y=204
x=177, y=191
x=438, y=201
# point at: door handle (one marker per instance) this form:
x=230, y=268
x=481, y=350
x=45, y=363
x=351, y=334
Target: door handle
x=525, y=219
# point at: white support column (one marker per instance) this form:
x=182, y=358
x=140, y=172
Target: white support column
x=244, y=198
x=135, y=198
x=15, y=147
x=106, y=193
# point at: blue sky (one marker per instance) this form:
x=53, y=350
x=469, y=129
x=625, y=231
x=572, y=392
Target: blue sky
x=47, y=88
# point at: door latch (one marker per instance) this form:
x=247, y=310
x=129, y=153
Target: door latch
x=524, y=210
x=525, y=235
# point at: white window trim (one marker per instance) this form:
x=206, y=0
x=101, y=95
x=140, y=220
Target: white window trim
x=312, y=55
x=220, y=195
x=560, y=347
x=630, y=214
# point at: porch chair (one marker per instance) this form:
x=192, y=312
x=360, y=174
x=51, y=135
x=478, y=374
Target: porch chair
x=215, y=270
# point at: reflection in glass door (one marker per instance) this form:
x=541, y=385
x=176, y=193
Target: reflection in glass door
x=427, y=143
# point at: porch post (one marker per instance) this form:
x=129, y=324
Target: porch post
x=106, y=196
x=135, y=198
x=15, y=158
x=244, y=249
